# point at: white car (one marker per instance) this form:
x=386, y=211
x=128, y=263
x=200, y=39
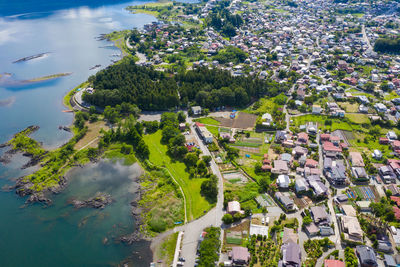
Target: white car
x=263, y=220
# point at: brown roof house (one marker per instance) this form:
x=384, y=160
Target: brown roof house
x=280, y=167
x=233, y=207
x=239, y=256
x=356, y=159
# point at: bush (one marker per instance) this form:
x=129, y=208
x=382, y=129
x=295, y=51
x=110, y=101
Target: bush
x=157, y=225
x=227, y=218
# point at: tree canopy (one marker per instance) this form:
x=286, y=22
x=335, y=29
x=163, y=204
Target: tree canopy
x=148, y=89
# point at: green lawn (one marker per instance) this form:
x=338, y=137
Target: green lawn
x=391, y=96
x=358, y=118
x=348, y=107
x=337, y=123
x=208, y=121
x=213, y=130
x=358, y=144
x=195, y=203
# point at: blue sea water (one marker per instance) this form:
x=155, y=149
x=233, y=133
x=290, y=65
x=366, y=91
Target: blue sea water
x=59, y=235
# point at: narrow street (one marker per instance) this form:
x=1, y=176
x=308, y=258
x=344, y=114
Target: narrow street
x=193, y=229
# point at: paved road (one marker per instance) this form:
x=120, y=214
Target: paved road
x=213, y=217
x=365, y=38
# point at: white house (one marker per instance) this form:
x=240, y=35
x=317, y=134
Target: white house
x=283, y=181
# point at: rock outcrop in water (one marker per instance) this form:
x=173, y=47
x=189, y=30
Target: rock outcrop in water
x=99, y=201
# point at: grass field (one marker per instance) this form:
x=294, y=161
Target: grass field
x=348, y=107
x=391, y=96
x=358, y=118
x=195, y=203
x=208, y=121
x=337, y=124
x=213, y=130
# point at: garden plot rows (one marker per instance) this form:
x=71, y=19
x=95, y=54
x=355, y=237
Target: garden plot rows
x=364, y=192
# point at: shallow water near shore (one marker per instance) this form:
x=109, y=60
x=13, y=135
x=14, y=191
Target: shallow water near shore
x=60, y=235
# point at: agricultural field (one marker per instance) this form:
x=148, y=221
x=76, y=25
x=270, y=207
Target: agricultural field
x=214, y=130
x=236, y=235
x=363, y=192
x=244, y=193
x=195, y=203
x=242, y=120
x=265, y=200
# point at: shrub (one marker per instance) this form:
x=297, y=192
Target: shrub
x=227, y=218
x=157, y=225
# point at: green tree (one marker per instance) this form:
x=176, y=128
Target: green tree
x=227, y=218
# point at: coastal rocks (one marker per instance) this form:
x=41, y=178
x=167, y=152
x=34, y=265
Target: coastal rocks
x=24, y=188
x=131, y=238
x=99, y=201
x=65, y=128
x=38, y=197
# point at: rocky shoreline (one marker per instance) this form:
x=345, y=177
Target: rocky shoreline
x=6, y=157
x=137, y=214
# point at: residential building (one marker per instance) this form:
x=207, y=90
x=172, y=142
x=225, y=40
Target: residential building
x=320, y=216
x=366, y=256
x=240, y=256
x=204, y=133
x=291, y=255
x=351, y=228
x=233, y=207
x=283, y=181
x=280, y=167
x=284, y=200
x=196, y=110
x=356, y=159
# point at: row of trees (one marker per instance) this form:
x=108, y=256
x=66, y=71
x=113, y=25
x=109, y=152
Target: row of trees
x=209, y=247
x=154, y=90
x=387, y=45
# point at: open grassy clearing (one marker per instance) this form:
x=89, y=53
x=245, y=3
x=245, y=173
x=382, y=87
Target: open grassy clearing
x=337, y=124
x=358, y=118
x=359, y=144
x=92, y=136
x=114, y=153
x=348, y=107
x=196, y=204
x=391, y=95
x=208, y=121
x=213, y=130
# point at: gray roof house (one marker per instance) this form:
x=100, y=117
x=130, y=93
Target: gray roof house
x=291, y=255
x=284, y=200
x=367, y=256
x=320, y=215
